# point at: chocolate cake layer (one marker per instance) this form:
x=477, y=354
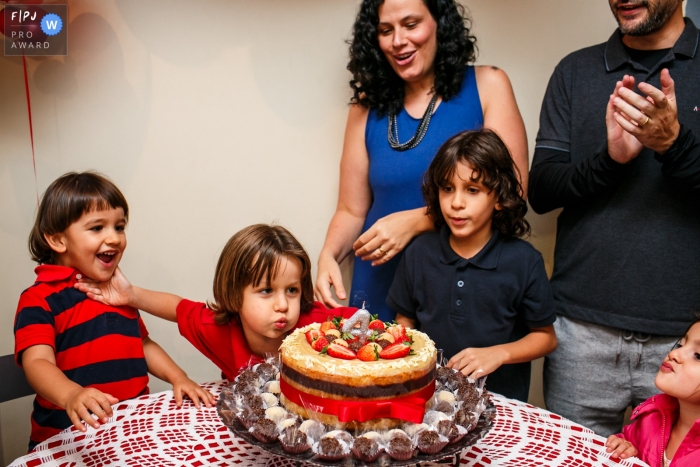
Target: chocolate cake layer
x=363, y=392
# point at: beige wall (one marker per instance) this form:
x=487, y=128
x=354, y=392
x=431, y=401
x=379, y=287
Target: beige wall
x=213, y=115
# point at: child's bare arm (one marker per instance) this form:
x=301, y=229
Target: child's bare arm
x=160, y=304
x=118, y=291
x=39, y=363
x=478, y=362
x=162, y=366
x=620, y=447
x=405, y=321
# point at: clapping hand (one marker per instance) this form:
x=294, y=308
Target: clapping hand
x=652, y=120
x=622, y=146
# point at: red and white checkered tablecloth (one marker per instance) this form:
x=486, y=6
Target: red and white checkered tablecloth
x=152, y=432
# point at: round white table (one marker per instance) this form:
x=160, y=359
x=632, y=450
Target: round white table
x=152, y=432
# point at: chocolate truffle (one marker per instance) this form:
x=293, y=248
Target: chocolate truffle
x=430, y=442
x=400, y=447
x=248, y=376
x=366, y=449
x=266, y=371
x=252, y=401
x=330, y=448
x=250, y=415
x=265, y=430
x=294, y=441
x=468, y=393
x=444, y=407
x=465, y=418
x=245, y=387
x=444, y=374
x=449, y=430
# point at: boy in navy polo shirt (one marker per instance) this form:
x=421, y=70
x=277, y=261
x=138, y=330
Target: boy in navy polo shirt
x=81, y=356
x=481, y=293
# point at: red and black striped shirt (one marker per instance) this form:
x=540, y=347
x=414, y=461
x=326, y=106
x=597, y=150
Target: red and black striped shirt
x=96, y=345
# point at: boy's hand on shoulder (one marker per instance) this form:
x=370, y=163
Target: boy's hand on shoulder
x=620, y=447
x=85, y=400
x=117, y=291
x=184, y=386
x=478, y=362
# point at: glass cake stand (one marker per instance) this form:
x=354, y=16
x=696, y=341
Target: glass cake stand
x=451, y=450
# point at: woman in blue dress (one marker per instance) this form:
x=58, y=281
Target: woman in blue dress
x=413, y=89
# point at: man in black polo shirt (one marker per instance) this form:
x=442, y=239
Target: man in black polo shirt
x=626, y=170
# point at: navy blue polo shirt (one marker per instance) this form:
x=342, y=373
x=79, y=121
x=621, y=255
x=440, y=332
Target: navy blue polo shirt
x=492, y=298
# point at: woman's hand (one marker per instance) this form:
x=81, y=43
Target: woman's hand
x=329, y=276
x=117, y=291
x=620, y=447
x=477, y=362
x=390, y=234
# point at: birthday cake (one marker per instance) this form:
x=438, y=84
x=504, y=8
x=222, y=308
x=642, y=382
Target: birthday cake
x=357, y=375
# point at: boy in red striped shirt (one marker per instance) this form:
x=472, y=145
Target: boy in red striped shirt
x=81, y=356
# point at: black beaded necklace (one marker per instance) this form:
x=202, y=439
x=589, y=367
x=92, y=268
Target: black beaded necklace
x=393, y=131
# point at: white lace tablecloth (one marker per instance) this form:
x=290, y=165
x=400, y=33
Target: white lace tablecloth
x=152, y=432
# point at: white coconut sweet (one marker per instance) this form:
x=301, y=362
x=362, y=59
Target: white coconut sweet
x=272, y=387
x=276, y=414
x=287, y=422
x=446, y=396
x=340, y=435
x=433, y=417
x=312, y=429
x=395, y=432
x=269, y=399
x=373, y=435
x=413, y=429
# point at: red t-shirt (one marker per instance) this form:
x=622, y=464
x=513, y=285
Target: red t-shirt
x=96, y=345
x=225, y=344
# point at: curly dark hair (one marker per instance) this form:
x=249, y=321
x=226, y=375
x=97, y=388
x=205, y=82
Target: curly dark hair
x=376, y=85
x=484, y=151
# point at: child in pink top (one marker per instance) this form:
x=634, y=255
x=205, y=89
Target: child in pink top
x=665, y=429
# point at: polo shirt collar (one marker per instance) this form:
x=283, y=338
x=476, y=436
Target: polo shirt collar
x=616, y=55
x=487, y=258
x=55, y=273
